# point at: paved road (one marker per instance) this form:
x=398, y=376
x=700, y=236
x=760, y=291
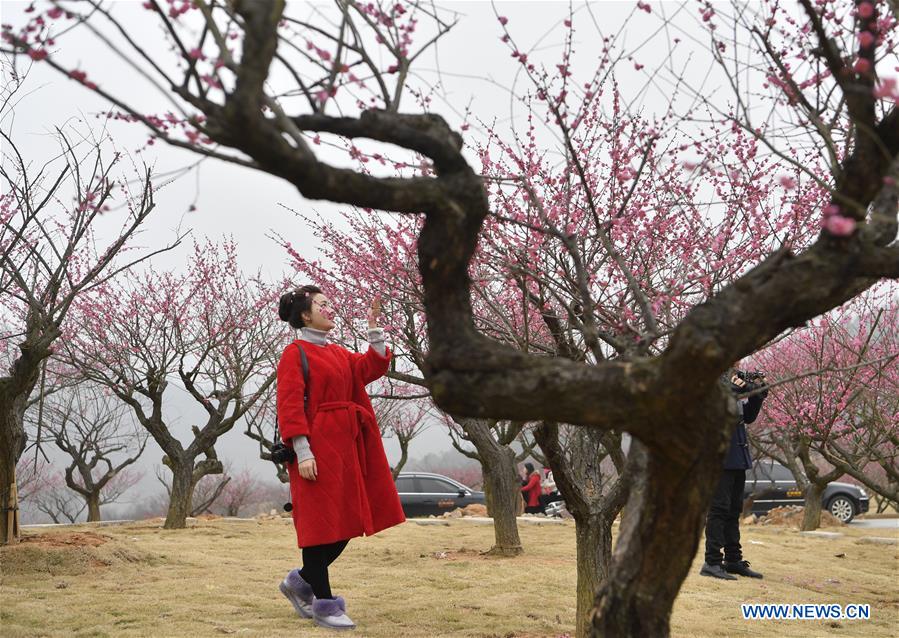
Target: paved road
x=877, y=523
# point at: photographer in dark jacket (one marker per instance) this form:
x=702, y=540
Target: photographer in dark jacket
x=722, y=527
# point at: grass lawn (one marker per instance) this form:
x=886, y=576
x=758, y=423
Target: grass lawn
x=220, y=577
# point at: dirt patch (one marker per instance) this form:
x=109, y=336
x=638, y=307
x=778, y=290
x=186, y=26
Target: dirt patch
x=66, y=539
x=458, y=554
x=465, y=554
x=208, y=517
x=791, y=516
x=475, y=509
x=68, y=553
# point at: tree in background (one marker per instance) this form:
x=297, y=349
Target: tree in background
x=223, y=494
x=868, y=450
x=207, y=489
x=837, y=403
x=53, y=497
x=50, y=255
x=98, y=435
x=31, y=478
x=262, y=426
x=242, y=490
x=61, y=504
x=503, y=439
x=593, y=476
x=672, y=400
x=211, y=330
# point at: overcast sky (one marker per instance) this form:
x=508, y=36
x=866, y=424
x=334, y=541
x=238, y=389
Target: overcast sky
x=475, y=69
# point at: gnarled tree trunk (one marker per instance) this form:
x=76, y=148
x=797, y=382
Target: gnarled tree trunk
x=15, y=391
x=186, y=473
x=404, y=455
x=811, y=517
x=594, y=563
x=9, y=529
x=181, y=495
x=501, y=485
x=668, y=500
x=817, y=482
x=503, y=492
x=594, y=496
x=12, y=444
x=93, y=506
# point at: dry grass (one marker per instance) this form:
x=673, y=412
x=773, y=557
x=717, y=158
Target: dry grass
x=221, y=577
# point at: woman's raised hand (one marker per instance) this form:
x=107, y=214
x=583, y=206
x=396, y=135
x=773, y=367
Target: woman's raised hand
x=374, y=312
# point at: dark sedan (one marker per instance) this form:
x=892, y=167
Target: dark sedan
x=423, y=494
x=773, y=485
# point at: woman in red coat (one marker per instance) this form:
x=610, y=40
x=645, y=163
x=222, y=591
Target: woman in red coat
x=340, y=484
x=531, y=491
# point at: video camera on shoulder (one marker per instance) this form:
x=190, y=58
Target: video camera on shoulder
x=754, y=380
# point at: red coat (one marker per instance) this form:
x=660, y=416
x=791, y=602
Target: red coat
x=531, y=490
x=355, y=494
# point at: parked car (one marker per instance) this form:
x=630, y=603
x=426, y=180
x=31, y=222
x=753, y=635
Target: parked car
x=773, y=485
x=423, y=494
x=555, y=508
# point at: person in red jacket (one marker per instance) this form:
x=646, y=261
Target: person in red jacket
x=340, y=483
x=531, y=491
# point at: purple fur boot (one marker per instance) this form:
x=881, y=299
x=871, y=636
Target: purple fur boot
x=331, y=613
x=298, y=592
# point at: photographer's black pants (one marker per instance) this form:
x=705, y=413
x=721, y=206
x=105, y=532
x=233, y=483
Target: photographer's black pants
x=722, y=525
x=316, y=560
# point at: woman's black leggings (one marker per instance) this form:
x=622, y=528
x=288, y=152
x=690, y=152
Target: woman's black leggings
x=315, y=566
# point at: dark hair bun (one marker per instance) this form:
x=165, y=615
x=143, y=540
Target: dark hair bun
x=293, y=304
x=285, y=306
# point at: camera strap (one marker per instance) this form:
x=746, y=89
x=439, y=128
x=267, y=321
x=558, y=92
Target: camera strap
x=304, y=364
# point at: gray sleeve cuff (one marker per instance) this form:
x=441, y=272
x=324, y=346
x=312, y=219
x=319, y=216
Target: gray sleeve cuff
x=302, y=449
x=376, y=340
